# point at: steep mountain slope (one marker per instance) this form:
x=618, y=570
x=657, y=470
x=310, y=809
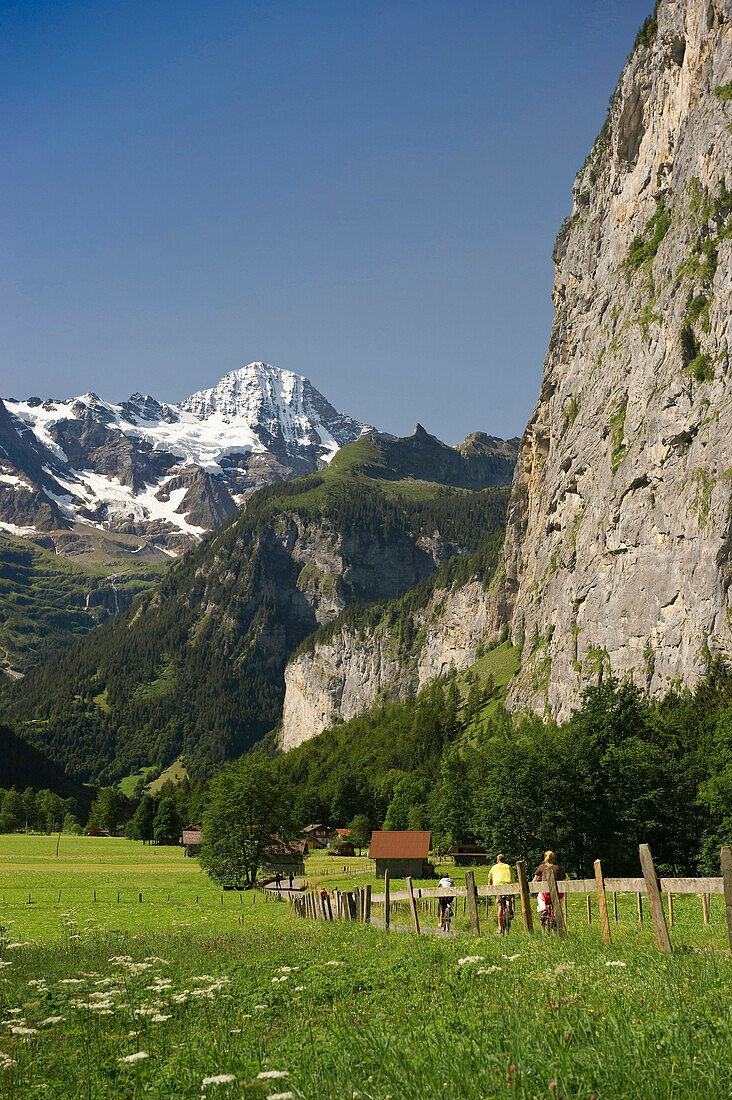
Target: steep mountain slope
x=164, y=473
x=619, y=532
x=22, y=766
x=197, y=666
x=47, y=601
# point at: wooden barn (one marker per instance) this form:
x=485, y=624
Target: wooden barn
x=469, y=855
x=286, y=858
x=191, y=840
x=401, y=853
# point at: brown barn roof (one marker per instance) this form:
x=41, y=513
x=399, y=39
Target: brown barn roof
x=397, y=844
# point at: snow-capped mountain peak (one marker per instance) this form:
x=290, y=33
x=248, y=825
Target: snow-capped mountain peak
x=168, y=472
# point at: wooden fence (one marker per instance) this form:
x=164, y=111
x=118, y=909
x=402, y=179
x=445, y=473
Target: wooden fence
x=356, y=904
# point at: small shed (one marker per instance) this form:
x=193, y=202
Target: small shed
x=288, y=859
x=400, y=852
x=191, y=840
x=317, y=836
x=469, y=855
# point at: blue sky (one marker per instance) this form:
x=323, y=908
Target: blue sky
x=365, y=193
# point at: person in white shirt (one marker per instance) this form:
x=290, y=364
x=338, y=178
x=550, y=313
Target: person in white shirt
x=445, y=883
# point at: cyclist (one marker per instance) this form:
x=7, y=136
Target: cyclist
x=499, y=873
x=540, y=875
x=445, y=883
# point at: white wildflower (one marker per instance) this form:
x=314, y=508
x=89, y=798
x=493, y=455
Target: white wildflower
x=281, y=1096
x=204, y=978
x=138, y=1057
x=71, y=981
x=335, y=962
x=489, y=969
x=14, y=1011
x=260, y=1006
x=219, y=1079
x=265, y=1074
x=104, y=981
x=159, y=1018
x=51, y=1020
x=5, y=962
x=156, y=959
x=24, y=1030
x=40, y=983
x=6, y=1062
x=282, y=979
x=471, y=959
x=287, y=969
x=512, y=958
x=12, y=946
x=616, y=962
x=121, y=959
x=299, y=988
x=181, y=998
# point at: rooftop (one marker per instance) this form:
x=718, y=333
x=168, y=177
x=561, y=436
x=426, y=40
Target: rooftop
x=400, y=844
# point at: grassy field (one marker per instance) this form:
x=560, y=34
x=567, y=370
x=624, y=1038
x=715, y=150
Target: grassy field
x=157, y=998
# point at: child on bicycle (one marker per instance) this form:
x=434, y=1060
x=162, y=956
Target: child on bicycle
x=445, y=883
x=499, y=873
x=540, y=875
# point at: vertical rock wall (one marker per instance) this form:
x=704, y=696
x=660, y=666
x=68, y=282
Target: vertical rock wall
x=619, y=534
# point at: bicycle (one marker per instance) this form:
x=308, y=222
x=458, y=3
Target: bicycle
x=548, y=920
x=505, y=913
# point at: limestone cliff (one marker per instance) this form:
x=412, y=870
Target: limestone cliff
x=619, y=531
x=619, y=537
x=393, y=650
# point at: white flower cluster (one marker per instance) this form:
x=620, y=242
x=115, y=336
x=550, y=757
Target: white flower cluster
x=471, y=959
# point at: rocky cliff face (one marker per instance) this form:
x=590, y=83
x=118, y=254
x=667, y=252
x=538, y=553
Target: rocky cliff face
x=619, y=533
x=349, y=673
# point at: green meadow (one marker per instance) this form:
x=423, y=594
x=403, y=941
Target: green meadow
x=194, y=993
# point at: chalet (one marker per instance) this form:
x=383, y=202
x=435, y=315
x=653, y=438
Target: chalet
x=317, y=836
x=191, y=840
x=469, y=855
x=401, y=853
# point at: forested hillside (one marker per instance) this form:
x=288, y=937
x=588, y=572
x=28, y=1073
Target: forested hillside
x=22, y=766
x=620, y=771
x=48, y=601
x=196, y=667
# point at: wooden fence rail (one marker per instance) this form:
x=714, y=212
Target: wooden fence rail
x=356, y=905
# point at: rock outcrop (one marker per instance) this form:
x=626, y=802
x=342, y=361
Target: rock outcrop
x=619, y=533
x=345, y=675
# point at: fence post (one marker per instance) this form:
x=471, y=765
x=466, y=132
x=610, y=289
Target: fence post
x=726, y=864
x=387, y=901
x=705, y=907
x=556, y=903
x=367, y=905
x=526, y=914
x=472, y=902
x=615, y=907
x=412, y=905
x=602, y=903
x=655, y=904
x=670, y=909
x=589, y=910
x=640, y=908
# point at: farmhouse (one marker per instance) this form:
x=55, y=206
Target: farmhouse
x=317, y=836
x=401, y=853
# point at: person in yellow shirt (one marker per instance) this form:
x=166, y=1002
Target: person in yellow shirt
x=499, y=873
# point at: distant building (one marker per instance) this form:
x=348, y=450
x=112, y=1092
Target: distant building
x=288, y=859
x=191, y=840
x=318, y=836
x=468, y=855
x=401, y=853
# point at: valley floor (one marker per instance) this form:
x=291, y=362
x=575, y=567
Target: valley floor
x=225, y=995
